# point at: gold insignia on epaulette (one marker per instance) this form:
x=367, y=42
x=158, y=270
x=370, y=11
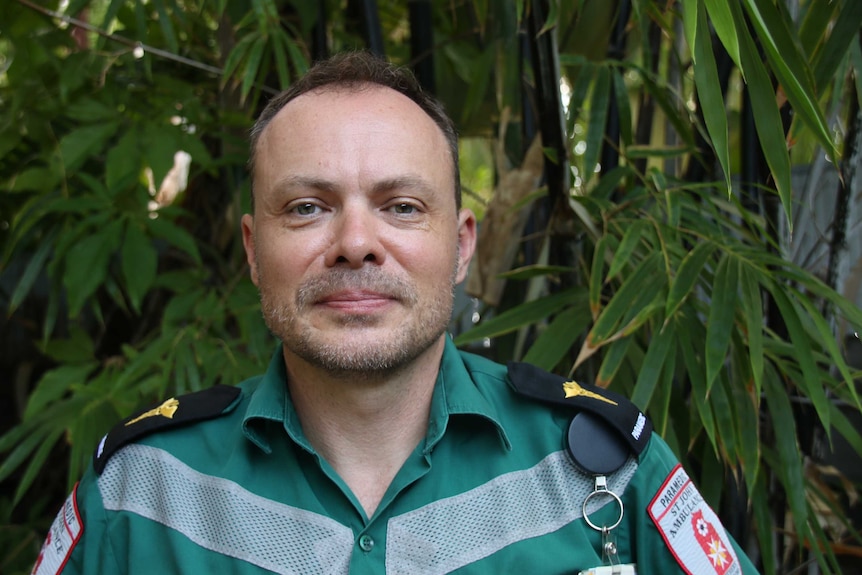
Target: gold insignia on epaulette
x=167, y=409
x=574, y=389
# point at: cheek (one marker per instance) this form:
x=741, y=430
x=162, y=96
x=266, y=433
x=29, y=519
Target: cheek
x=432, y=263
x=282, y=265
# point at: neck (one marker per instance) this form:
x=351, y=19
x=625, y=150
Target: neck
x=367, y=425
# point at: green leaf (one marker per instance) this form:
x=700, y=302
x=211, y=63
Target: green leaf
x=631, y=239
x=237, y=55
x=690, y=333
x=579, y=91
x=524, y=314
x=532, y=271
x=279, y=51
x=252, y=66
x=624, y=109
x=553, y=16
x=167, y=26
x=139, y=262
x=609, y=182
x=615, y=353
x=651, y=368
x=637, y=151
x=37, y=462
x=846, y=428
x=687, y=275
x=597, y=121
x=767, y=119
x=790, y=459
x=300, y=63
x=87, y=265
x=111, y=13
x=812, y=283
x=179, y=308
x=724, y=411
x=753, y=306
x=558, y=338
x=747, y=407
x=481, y=70
x=791, y=68
x=658, y=89
x=845, y=30
x=39, y=179
x=710, y=95
x=664, y=394
x=721, y=315
x=827, y=339
x=643, y=309
x=596, y=276
x=761, y=503
x=817, y=20
x=722, y=21
x=690, y=25
x=640, y=285
x=32, y=271
x=89, y=110
x=810, y=382
x=123, y=163
x=54, y=384
x=176, y=236
x=23, y=450
x=78, y=144
x=96, y=416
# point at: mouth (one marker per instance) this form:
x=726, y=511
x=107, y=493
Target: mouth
x=356, y=301
x=354, y=293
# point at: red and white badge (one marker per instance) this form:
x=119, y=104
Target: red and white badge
x=62, y=538
x=691, y=529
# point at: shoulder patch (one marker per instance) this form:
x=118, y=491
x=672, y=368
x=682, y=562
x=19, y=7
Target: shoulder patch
x=62, y=537
x=691, y=529
x=629, y=422
x=175, y=412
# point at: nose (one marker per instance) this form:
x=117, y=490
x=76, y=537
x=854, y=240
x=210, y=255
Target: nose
x=356, y=239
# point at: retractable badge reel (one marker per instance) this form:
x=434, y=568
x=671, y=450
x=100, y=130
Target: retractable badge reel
x=600, y=453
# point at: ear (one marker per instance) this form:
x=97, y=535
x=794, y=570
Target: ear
x=466, y=242
x=248, y=244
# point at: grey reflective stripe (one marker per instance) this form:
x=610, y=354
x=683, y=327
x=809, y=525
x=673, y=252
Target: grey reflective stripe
x=454, y=532
x=221, y=516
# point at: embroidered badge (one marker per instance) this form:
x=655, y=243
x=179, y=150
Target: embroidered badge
x=691, y=529
x=574, y=389
x=167, y=409
x=61, y=540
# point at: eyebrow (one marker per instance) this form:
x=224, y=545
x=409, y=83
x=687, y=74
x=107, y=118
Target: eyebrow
x=400, y=182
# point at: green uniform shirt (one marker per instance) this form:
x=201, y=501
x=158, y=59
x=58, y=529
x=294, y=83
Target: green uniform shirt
x=491, y=489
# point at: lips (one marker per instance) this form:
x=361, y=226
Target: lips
x=354, y=290
x=356, y=298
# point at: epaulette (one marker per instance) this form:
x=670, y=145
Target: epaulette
x=175, y=412
x=605, y=431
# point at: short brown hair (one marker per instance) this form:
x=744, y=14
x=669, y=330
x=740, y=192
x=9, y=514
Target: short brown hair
x=353, y=70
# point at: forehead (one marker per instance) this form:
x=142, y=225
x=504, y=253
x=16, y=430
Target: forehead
x=365, y=126
x=340, y=105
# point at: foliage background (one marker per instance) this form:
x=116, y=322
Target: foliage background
x=643, y=244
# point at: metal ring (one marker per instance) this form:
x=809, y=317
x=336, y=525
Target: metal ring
x=603, y=492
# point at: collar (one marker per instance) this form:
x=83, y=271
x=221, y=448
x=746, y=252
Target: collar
x=456, y=393
x=269, y=403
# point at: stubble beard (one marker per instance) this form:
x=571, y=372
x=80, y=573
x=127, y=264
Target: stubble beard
x=353, y=352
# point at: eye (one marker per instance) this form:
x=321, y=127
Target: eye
x=404, y=208
x=305, y=209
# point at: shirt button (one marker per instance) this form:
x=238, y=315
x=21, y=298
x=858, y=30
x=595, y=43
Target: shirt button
x=366, y=543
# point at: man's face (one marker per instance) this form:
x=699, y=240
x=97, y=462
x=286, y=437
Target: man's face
x=355, y=243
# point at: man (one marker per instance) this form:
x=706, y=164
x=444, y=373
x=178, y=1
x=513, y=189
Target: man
x=372, y=445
